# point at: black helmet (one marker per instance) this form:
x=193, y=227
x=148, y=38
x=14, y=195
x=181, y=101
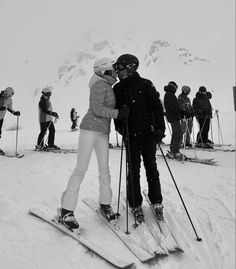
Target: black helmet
x=126, y=61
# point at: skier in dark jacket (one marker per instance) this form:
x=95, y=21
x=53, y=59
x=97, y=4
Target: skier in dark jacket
x=46, y=120
x=174, y=115
x=188, y=113
x=74, y=118
x=146, y=128
x=203, y=112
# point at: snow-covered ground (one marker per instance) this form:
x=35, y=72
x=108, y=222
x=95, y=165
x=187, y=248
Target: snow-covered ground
x=56, y=42
x=38, y=179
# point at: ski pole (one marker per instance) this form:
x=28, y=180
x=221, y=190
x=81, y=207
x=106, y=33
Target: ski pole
x=128, y=154
x=121, y=161
x=198, y=238
x=219, y=129
x=192, y=140
x=17, y=128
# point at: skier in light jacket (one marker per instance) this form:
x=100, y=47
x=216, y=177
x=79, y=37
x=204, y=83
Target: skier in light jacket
x=94, y=134
x=6, y=104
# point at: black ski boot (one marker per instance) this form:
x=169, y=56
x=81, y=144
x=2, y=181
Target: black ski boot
x=158, y=209
x=138, y=214
x=67, y=218
x=107, y=212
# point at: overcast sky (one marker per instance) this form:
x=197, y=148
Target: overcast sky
x=38, y=35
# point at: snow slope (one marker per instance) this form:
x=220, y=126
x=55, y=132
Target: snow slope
x=38, y=179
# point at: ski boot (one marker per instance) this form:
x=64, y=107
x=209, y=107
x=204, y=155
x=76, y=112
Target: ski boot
x=2, y=152
x=158, y=209
x=67, y=218
x=170, y=155
x=179, y=156
x=52, y=147
x=39, y=147
x=107, y=212
x=138, y=214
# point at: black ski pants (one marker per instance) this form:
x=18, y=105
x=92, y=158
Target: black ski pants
x=43, y=129
x=204, y=127
x=1, y=122
x=142, y=146
x=176, y=137
x=74, y=124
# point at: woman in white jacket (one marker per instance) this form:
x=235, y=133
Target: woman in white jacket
x=94, y=134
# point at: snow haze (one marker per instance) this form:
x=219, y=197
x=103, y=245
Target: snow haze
x=55, y=42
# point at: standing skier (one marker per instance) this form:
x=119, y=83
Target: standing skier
x=94, y=134
x=46, y=115
x=6, y=104
x=146, y=128
x=203, y=112
x=174, y=116
x=187, y=120
x=74, y=118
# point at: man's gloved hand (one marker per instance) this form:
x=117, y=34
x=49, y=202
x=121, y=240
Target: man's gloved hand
x=16, y=113
x=54, y=114
x=2, y=108
x=157, y=135
x=123, y=113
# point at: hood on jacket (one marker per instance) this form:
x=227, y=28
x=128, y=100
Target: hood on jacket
x=171, y=87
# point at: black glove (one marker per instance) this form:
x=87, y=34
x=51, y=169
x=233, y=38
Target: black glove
x=123, y=113
x=2, y=108
x=16, y=113
x=54, y=114
x=157, y=135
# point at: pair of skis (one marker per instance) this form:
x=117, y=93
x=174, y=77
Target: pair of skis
x=61, y=150
x=210, y=161
x=16, y=155
x=150, y=240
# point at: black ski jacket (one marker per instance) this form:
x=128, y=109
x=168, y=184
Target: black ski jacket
x=146, y=110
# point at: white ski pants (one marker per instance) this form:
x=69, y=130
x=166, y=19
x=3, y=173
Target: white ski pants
x=89, y=140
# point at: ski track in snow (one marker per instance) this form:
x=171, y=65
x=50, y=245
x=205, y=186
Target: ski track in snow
x=38, y=180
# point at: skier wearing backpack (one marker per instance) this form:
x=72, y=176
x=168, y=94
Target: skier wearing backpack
x=6, y=104
x=94, y=135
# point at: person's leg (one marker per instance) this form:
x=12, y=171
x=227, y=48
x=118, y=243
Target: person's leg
x=189, y=130
x=101, y=149
x=205, y=130
x=51, y=136
x=69, y=197
x=177, y=136
x=134, y=190
x=1, y=122
x=184, y=131
x=43, y=130
x=148, y=150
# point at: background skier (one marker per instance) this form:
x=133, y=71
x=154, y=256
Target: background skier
x=146, y=128
x=6, y=104
x=187, y=111
x=174, y=116
x=74, y=118
x=46, y=120
x=203, y=112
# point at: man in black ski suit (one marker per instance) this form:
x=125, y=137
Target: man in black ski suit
x=146, y=128
x=203, y=112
